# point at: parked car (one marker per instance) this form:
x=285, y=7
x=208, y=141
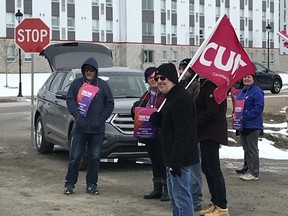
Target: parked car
x=267, y=79
x=52, y=121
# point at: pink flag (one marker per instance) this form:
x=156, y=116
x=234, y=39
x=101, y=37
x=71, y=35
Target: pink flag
x=222, y=59
x=283, y=34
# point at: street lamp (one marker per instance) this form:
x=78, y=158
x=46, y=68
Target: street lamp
x=268, y=28
x=19, y=17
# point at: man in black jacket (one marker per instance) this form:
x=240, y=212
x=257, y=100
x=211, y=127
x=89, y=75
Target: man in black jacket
x=177, y=120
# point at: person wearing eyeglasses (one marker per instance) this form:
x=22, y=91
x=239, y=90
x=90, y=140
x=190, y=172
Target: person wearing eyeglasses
x=177, y=123
x=153, y=98
x=193, y=88
x=90, y=102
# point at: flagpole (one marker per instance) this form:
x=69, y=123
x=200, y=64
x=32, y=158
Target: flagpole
x=282, y=36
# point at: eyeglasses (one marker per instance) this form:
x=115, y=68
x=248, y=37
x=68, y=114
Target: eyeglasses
x=91, y=69
x=162, y=78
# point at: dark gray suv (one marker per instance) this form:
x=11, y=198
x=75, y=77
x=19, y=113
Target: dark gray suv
x=54, y=124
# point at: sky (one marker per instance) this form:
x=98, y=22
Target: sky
x=9, y=88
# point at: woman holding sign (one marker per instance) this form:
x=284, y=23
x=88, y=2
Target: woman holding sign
x=247, y=119
x=151, y=100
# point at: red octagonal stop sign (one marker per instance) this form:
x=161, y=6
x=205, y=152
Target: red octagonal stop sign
x=32, y=35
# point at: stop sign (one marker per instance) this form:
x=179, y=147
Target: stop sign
x=32, y=35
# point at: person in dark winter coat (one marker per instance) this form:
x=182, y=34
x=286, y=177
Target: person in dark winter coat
x=153, y=98
x=193, y=89
x=177, y=122
x=212, y=131
x=252, y=127
x=89, y=129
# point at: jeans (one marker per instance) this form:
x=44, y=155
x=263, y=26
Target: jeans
x=196, y=182
x=180, y=192
x=94, y=146
x=211, y=168
x=251, y=152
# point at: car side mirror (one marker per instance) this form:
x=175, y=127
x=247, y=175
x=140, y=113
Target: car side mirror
x=61, y=95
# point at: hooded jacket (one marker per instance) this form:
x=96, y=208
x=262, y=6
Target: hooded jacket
x=100, y=108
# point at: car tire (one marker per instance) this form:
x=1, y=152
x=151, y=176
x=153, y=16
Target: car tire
x=42, y=146
x=276, y=86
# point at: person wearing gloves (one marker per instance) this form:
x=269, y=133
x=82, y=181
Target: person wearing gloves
x=177, y=122
x=90, y=102
x=153, y=98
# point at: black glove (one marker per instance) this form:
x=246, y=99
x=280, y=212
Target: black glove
x=156, y=119
x=175, y=171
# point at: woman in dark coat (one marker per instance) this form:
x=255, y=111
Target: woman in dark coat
x=153, y=98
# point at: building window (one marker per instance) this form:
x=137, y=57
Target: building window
x=54, y=0
x=10, y=20
x=148, y=56
x=174, y=56
x=70, y=2
x=164, y=56
x=174, y=30
x=163, y=5
x=109, y=26
x=148, y=28
x=192, y=53
x=168, y=14
x=201, y=10
x=71, y=24
x=173, y=6
x=264, y=56
x=102, y=9
x=95, y=25
x=63, y=5
x=95, y=2
x=10, y=52
x=28, y=57
x=63, y=32
x=19, y=3
x=191, y=32
x=163, y=30
x=55, y=23
x=108, y=3
x=201, y=33
x=147, y=5
x=191, y=8
x=102, y=38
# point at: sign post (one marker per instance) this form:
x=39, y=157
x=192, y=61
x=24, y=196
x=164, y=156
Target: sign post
x=32, y=35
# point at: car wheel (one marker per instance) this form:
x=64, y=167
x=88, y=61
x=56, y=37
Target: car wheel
x=42, y=145
x=276, y=86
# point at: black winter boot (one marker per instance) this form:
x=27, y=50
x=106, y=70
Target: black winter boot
x=165, y=195
x=157, y=192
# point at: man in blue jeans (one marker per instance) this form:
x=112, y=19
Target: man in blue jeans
x=89, y=124
x=177, y=120
x=193, y=89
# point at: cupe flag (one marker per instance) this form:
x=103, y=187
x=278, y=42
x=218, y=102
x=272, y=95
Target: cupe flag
x=222, y=59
